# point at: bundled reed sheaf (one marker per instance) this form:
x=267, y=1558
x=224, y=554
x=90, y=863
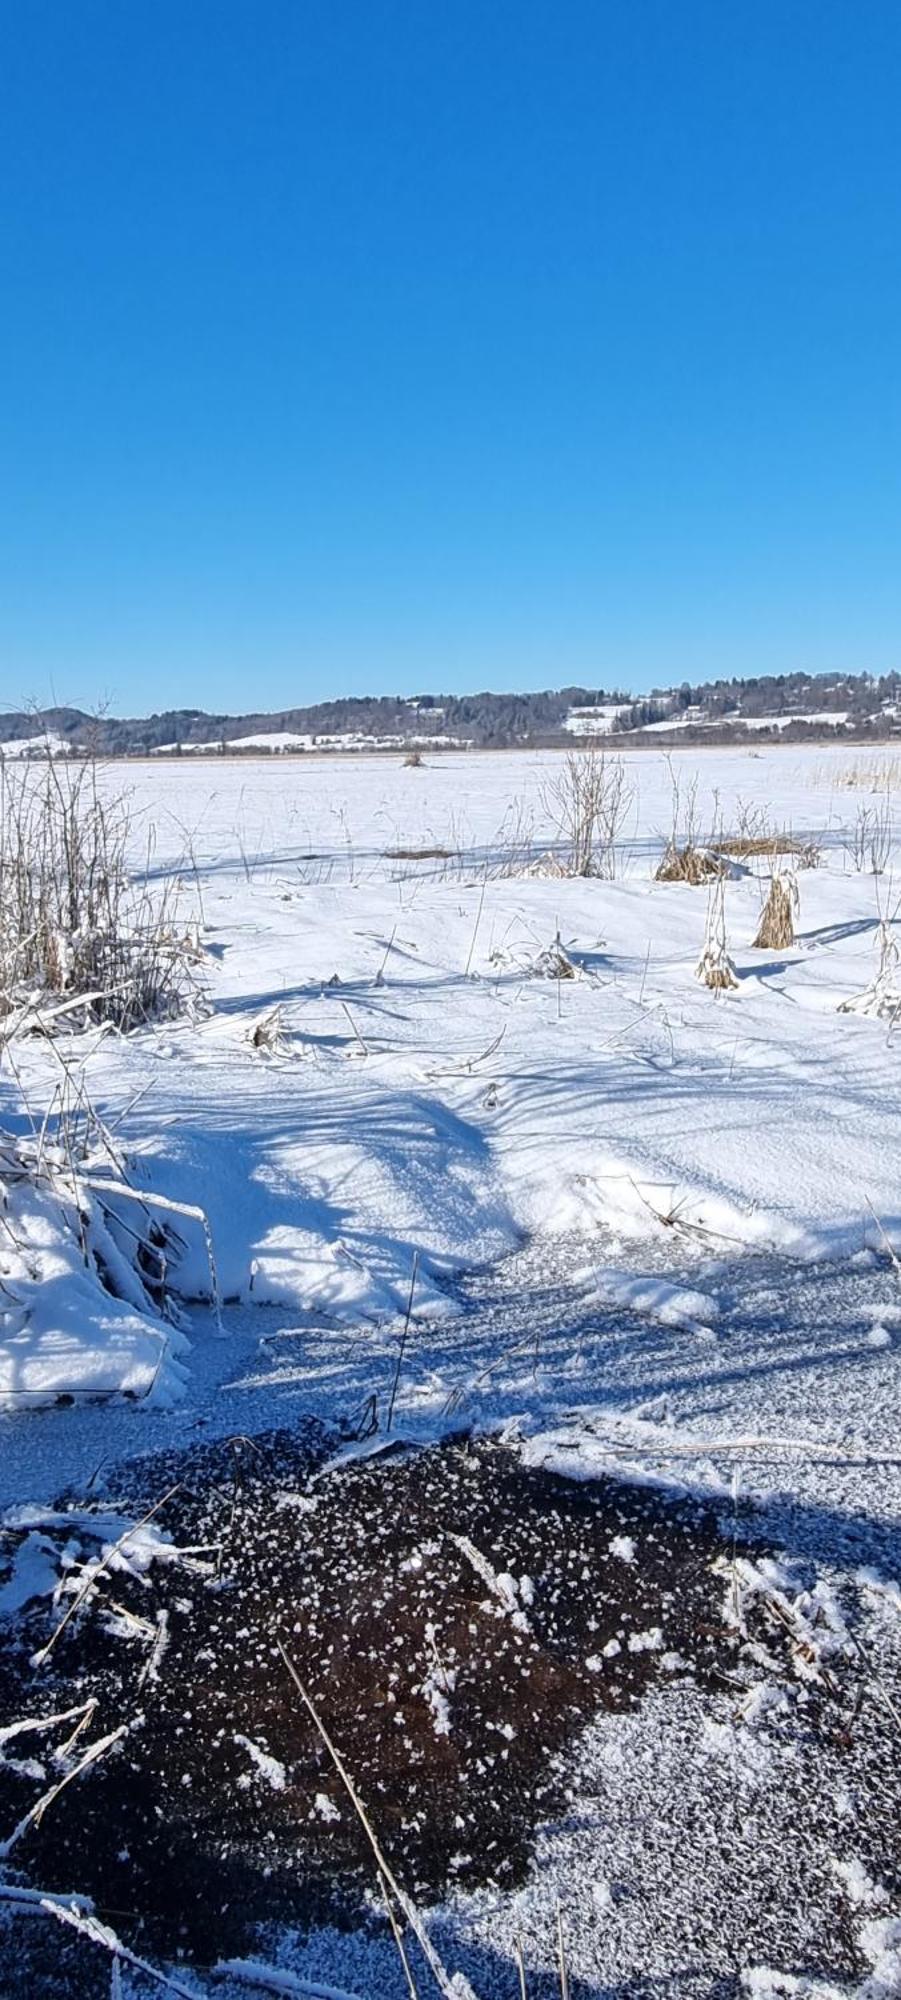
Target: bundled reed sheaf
x=769, y=846
x=714, y=966
x=75, y=926
x=881, y=1000
x=776, y=929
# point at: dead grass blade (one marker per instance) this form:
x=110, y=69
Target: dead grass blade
x=457, y=1988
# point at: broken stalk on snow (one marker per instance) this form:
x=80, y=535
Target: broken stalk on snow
x=464, y=1389
x=467, y=1064
x=647, y=961
x=561, y=1956
x=893, y=1257
x=403, y=1341
x=671, y=1219
x=874, y=1681
x=475, y=928
x=380, y=975
x=271, y=1979
x=521, y=1968
x=360, y=1810
x=355, y=1029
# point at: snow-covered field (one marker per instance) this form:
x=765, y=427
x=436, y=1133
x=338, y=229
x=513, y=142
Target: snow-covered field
x=619, y=1203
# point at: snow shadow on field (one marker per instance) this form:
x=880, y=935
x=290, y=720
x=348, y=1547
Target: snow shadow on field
x=319, y=1199
x=456, y=1617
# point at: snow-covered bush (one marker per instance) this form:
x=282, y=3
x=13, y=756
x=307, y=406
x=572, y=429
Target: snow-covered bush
x=882, y=998
x=88, y=1301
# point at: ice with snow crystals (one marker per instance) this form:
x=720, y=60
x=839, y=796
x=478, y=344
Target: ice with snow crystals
x=646, y=1642
x=860, y=1888
x=655, y=1297
x=880, y=1587
x=34, y=1574
x=268, y=1767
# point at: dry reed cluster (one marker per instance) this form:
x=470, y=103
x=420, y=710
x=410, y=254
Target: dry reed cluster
x=74, y=924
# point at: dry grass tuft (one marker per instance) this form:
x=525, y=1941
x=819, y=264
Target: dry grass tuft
x=750, y=847
x=554, y=962
x=543, y=867
x=868, y=774
x=74, y=925
x=694, y=865
x=717, y=973
x=776, y=929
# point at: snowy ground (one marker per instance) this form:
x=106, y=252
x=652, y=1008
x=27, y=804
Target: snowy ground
x=675, y=1211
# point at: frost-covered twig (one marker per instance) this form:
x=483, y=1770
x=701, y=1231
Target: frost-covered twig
x=35, y=1900
x=37, y=1723
x=893, y=1257
x=36, y=1812
x=90, y=1928
x=521, y=1968
x=501, y=1586
x=750, y=1443
x=271, y=1979
x=561, y=1956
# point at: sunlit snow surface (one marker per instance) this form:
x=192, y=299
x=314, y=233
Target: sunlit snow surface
x=705, y=1188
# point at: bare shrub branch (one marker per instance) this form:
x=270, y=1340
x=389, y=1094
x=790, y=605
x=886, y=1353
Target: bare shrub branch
x=588, y=800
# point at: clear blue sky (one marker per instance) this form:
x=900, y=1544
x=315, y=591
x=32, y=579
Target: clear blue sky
x=384, y=345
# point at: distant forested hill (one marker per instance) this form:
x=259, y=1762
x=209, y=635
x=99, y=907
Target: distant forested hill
x=779, y=705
